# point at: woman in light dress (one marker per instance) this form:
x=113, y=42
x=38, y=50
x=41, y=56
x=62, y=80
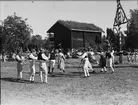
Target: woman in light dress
x=61, y=61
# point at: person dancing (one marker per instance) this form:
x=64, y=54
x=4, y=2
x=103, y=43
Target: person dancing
x=102, y=61
x=43, y=67
x=109, y=61
x=19, y=59
x=32, y=59
x=52, y=61
x=61, y=61
x=86, y=63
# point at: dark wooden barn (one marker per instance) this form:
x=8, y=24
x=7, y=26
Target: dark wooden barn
x=74, y=35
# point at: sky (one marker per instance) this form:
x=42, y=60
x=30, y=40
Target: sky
x=43, y=14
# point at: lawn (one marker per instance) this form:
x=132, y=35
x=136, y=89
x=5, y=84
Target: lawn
x=119, y=88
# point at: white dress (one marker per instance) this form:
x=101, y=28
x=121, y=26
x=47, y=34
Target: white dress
x=61, y=61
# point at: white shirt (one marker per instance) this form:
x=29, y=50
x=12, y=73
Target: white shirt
x=84, y=58
x=92, y=54
x=44, y=56
x=32, y=57
x=19, y=59
x=61, y=55
x=112, y=54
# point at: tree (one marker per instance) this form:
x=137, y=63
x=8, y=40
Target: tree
x=113, y=38
x=37, y=41
x=16, y=33
x=132, y=32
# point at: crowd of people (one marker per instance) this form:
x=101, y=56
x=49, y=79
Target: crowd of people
x=47, y=61
x=87, y=58
x=132, y=57
x=43, y=59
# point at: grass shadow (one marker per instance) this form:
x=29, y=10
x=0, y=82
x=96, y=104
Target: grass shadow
x=70, y=74
x=121, y=66
x=11, y=79
x=134, y=66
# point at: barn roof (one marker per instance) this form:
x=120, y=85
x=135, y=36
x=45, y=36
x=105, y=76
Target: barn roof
x=78, y=26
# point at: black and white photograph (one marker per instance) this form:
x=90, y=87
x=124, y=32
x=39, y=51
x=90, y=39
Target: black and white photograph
x=69, y=52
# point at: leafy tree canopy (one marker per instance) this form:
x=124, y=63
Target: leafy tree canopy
x=132, y=33
x=16, y=32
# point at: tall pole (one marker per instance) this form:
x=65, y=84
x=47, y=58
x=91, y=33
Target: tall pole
x=120, y=19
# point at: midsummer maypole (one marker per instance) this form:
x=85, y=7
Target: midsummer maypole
x=120, y=18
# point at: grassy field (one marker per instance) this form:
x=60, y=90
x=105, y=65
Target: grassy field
x=120, y=88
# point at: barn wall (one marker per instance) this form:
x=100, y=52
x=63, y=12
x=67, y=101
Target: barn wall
x=90, y=38
x=72, y=38
x=84, y=39
x=77, y=39
x=61, y=35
